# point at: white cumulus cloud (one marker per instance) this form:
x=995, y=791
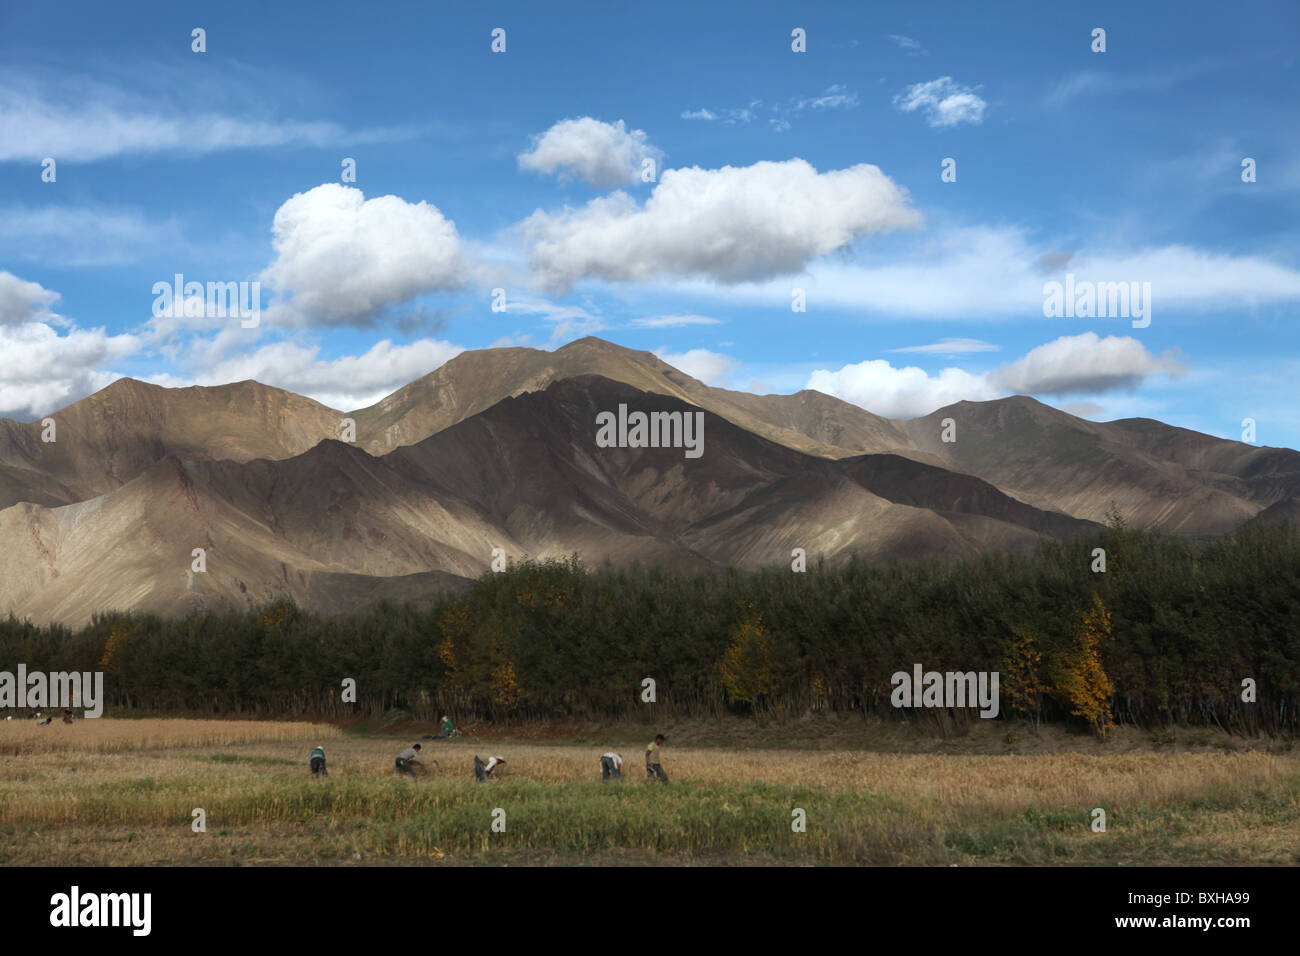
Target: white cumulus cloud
x=905, y=392
x=1084, y=363
x=712, y=368
x=22, y=301
x=344, y=258
x=43, y=368
x=732, y=225
x=347, y=382
x=602, y=154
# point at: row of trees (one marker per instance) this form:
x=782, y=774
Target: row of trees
x=1168, y=633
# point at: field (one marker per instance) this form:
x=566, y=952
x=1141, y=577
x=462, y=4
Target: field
x=123, y=791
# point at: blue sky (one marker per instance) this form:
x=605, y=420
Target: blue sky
x=773, y=170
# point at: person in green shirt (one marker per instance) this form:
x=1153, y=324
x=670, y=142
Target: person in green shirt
x=653, y=769
x=448, y=728
x=318, y=762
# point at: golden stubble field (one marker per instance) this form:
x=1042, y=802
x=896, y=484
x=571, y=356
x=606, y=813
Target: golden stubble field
x=123, y=791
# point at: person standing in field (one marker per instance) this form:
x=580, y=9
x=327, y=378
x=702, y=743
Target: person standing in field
x=653, y=769
x=317, y=760
x=610, y=763
x=408, y=759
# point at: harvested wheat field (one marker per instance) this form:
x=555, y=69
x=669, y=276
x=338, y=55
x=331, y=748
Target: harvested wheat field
x=105, y=735
x=124, y=792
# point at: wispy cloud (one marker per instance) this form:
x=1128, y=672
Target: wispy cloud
x=673, y=321
x=979, y=273
x=779, y=115
x=944, y=102
x=908, y=45
x=951, y=347
x=84, y=235
x=1113, y=83
x=835, y=97
x=77, y=120
x=567, y=321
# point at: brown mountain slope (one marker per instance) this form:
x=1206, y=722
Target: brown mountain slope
x=474, y=381
x=108, y=439
x=336, y=527
x=312, y=529
x=1159, y=476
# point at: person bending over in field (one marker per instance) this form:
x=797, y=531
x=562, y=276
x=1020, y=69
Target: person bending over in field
x=448, y=728
x=610, y=764
x=318, y=762
x=67, y=716
x=408, y=760
x=653, y=769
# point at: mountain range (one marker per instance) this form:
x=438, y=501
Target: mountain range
x=497, y=449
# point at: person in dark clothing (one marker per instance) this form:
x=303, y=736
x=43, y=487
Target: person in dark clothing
x=317, y=760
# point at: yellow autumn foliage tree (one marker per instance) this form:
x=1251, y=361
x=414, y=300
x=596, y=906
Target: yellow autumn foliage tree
x=747, y=669
x=118, y=638
x=505, y=683
x=1081, y=680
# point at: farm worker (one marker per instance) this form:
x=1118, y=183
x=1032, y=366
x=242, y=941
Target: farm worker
x=407, y=758
x=610, y=763
x=653, y=769
x=67, y=716
x=448, y=728
x=492, y=764
x=318, y=762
